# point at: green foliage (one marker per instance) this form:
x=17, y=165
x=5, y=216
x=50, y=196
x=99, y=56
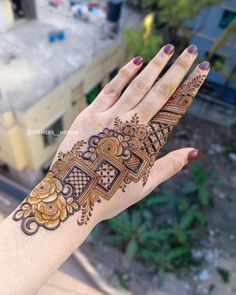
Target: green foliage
x=224, y=274
x=137, y=45
x=174, y=13
x=202, y=187
x=170, y=20
x=162, y=229
x=123, y=280
x=232, y=147
x=177, y=13
x=144, y=4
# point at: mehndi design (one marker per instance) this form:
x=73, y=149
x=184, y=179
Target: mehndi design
x=113, y=158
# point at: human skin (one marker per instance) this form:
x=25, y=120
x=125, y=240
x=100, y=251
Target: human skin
x=42, y=233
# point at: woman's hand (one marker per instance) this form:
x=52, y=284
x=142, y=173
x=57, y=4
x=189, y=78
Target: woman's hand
x=108, y=161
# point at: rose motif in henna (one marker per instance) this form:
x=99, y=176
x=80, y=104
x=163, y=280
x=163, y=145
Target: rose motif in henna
x=113, y=159
x=50, y=214
x=46, y=206
x=47, y=190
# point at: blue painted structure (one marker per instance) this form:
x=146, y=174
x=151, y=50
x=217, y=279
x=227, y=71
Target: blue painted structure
x=207, y=26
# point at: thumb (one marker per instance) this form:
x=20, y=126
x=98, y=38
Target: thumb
x=171, y=164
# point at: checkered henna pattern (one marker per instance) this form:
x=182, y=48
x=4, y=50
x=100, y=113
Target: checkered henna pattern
x=111, y=160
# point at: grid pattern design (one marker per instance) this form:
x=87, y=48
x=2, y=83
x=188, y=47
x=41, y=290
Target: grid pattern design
x=108, y=174
x=79, y=179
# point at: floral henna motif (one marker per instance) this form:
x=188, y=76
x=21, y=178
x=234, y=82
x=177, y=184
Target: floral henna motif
x=47, y=205
x=77, y=180
x=113, y=159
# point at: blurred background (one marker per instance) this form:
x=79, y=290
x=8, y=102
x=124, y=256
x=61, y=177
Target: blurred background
x=55, y=57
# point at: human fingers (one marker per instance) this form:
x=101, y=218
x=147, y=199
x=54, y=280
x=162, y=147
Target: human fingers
x=163, y=89
x=139, y=87
x=111, y=92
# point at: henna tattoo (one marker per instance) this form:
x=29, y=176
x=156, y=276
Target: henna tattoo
x=113, y=159
x=169, y=116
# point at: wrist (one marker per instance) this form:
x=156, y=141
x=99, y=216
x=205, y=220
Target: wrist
x=50, y=204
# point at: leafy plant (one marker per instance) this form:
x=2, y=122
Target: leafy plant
x=173, y=18
x=198, y=186
x=130, y=230
x=163, y=229
x=123, y=280
x=224, y=274
x=138, y=45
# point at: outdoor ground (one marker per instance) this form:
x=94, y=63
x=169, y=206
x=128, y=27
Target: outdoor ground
x=217, y=147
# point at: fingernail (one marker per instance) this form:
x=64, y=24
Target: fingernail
x=168, y=48
x=193, y=155
x=205, y=65
x=138, y=60
x=192, y=49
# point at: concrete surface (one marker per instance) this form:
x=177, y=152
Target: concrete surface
x=30, y=67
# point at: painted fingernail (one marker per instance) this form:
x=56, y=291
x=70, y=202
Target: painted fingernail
x=138, y=60
x=205, y=65
x=192, y=49
x=193, y=155
x=169, y=48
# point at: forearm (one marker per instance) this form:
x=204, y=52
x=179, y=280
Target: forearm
x=28, y=261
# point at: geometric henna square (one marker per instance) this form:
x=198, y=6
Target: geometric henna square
x=134, y=163
x=108, y=175
x=79, y=180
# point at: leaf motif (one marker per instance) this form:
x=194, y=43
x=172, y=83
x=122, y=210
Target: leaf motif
x=27, y=213
x=75, y=206
x=69, y=200
x=69, y=209
x=77, y=146
x=87, y=209
x=18, y=215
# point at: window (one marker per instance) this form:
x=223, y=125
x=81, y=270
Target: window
x=52, y=132
x=76, y=93
x=227, y=18
x=113, y=73
x=4, y=167
x=24, y=8
x=93, y=93
x=17, y=8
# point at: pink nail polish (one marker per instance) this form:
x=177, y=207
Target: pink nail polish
x=138, y=60
x=193, y=155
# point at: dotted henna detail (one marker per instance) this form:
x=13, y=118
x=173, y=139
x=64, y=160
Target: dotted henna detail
x=112, y=160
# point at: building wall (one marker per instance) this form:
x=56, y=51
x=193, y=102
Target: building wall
x=6, y=16
x=26, y=155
